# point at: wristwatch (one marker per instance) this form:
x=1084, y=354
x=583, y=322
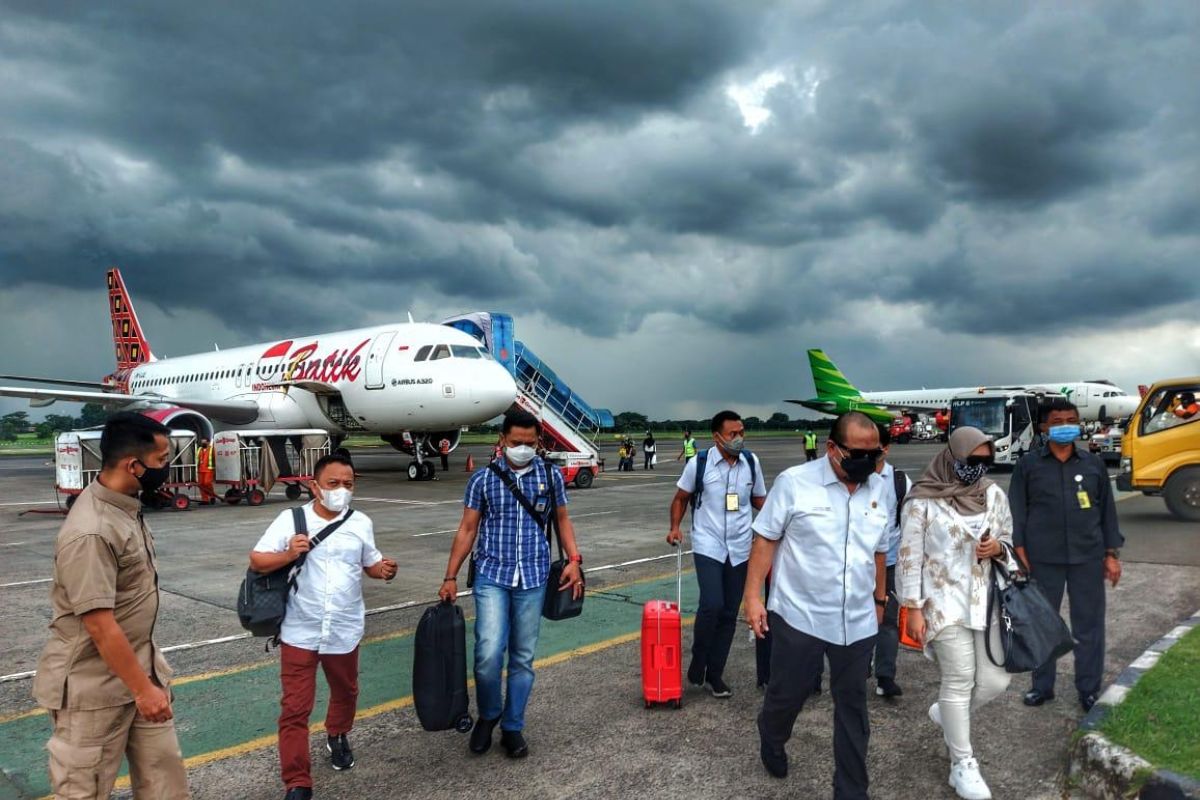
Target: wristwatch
x=1113, y=552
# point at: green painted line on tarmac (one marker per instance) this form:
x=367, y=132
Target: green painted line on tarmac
x=227, y=710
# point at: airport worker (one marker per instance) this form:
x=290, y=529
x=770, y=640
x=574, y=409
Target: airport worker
x=824, y=530
x=444, y=452
x=689, y=447
x=1186, y=407
x=650, y=450
x=1065, y=530
x=955, y=523
x=325, y=616
x=511, y=565
x=810, y=445
x=896, y=486
x=725, y=492
x=101, y=675
x=206, y=470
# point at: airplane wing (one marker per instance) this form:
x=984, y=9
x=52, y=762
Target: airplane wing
x=236, y=412
x=816, y=405
x=54, y=381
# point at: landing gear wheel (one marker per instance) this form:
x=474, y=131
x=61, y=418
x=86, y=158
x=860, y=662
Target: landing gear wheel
x=256, y=497
x=428, y=470
x=583, y=478
x=414, y=471
x=292, y=491
x=464, y=724
x=1182, y=494
x=233, y=497
x=181, y=502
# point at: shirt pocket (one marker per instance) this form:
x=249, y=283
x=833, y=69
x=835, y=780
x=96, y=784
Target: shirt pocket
x=131, y=565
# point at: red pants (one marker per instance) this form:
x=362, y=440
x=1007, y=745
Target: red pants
x=298, y=674
x=206, y=484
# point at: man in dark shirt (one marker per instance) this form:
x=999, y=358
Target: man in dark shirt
x=1065, y=530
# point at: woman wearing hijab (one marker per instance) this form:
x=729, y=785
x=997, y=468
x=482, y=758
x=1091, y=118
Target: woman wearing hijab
x=953, y=524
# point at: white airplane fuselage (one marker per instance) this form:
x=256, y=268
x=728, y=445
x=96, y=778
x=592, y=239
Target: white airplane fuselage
x=1091, y=398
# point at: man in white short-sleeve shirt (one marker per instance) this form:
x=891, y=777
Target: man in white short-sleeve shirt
x=732, y=484
x=325, y=616
x=822, y=533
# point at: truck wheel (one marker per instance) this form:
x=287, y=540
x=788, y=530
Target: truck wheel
x=181, y=501
x=1182, y=494
x=233, y=497
x=292, y=491
x=583, y=478
x=256, y=497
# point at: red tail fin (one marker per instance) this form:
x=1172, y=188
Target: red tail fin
x=131, y=346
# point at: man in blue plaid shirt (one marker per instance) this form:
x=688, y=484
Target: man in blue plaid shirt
x=512, y=561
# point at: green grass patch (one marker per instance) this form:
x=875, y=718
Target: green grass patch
x=1160, y=719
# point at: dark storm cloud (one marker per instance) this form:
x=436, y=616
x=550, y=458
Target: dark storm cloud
x=586, y=161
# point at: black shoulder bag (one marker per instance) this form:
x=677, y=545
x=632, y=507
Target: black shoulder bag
x=559, y=603
x=263, y=597
x=1031, y=631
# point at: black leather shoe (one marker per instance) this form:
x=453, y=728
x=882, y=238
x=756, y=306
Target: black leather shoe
x=887, y=687
x=481, y=737
x=1035, y=698
x=340, y=754
x=719, y=688
x=298, y=793
x=514, y=743
x=776, y=761
x=1087, y=700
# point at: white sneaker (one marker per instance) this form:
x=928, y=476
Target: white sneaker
x=935, y=714
x=966, y=781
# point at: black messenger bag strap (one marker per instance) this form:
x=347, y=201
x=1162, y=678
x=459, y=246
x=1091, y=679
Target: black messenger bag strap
x=517, y=493
x=313, y=541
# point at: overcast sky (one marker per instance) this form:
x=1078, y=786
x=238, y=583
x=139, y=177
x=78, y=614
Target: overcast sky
x=674, y=200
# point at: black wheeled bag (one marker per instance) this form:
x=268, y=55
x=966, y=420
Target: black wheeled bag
x=439, y=673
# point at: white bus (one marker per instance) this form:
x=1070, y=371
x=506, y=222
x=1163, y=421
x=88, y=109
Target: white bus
x=1010, y=416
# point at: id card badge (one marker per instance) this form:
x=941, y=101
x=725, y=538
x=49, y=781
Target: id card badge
x=1085, y=502
x=541, y=504
x=731, y=502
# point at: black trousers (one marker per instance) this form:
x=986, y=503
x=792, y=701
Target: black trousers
x=796, y=661
x=1084, y=585
x=888, y=643
x=647, y=463
x=810, y=455
x=721, y=587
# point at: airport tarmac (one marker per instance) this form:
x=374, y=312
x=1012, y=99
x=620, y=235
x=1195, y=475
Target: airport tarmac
x=587, y=728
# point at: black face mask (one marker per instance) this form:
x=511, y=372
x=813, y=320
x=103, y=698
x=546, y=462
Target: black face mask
x=153, y=477
x=860, y=466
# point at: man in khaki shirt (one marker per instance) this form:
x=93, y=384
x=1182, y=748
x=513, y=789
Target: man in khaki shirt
x=104, y=681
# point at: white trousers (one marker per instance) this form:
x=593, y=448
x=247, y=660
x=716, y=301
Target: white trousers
x=969, y=681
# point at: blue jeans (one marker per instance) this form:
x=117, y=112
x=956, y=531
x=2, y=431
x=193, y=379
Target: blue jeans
x=506, y=618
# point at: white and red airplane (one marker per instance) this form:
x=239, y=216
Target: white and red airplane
x=413, y=384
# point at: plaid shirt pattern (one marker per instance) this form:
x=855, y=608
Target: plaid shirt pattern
x=512, y=549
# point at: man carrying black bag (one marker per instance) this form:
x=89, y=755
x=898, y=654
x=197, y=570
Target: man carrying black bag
x=507, y=506
x=325, y=614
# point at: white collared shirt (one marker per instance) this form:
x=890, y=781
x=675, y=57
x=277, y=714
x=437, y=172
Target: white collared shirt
x=717, y=533
x=823, y=577
x=888, y=474
x=326, y=612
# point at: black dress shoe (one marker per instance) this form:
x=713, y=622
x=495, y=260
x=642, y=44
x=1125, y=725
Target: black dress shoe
x=776, y=761
x=481, y=736
x=298, y=793
x=1035, y=698
x=1087, y=700
x=887, y=687
x=514, y=743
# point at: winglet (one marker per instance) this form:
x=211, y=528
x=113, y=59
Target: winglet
x=828, y=379
x=128, y=341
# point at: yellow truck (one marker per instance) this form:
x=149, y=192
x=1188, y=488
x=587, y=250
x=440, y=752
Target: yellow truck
x=1160, y=450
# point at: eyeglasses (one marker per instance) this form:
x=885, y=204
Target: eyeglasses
x=874, y=455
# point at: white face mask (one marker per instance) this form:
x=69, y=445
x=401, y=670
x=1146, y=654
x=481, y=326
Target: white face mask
x=336, y=500
x=520, y=455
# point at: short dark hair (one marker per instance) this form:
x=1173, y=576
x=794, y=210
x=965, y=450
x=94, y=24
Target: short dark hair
x=1057, y=404
x=335, y=457
x=843, y=423
x=721, y=417
x=1187, y=398
x=129, y=433
x=520, y=418
x=885, y=434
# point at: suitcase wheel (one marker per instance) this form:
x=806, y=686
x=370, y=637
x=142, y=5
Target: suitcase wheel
x=464, y=724
x=677, y=704
x=649, y=704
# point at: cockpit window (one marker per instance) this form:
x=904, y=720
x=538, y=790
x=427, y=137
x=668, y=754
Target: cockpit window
x=423, y=353
x=442, y=351
x=464, y=351
x=485, y=355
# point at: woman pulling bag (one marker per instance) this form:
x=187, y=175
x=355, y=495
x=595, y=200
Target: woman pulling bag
x=955, y=521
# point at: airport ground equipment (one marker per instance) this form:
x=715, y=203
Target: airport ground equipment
x=1160, y=451
x=569, y=424
x=250, y=463
x=1106, y=443
x=77, y=462
x=662, y=645
x=913, y=427
x=1009, y=416
x=439, y=676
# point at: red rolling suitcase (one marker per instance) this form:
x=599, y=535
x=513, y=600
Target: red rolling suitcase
x=662, y=646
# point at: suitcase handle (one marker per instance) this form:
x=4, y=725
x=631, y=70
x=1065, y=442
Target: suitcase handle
x=678, y=575
x=666, y=657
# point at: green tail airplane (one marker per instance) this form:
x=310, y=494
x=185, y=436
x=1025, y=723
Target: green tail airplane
x=835, y=394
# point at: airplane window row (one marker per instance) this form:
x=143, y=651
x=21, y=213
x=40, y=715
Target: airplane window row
x=190, y=378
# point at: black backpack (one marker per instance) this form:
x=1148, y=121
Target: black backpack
x=901, y=484
x=702, y=465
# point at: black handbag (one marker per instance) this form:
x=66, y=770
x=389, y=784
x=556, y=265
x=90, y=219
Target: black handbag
x=1031, y=632
x=263, y=597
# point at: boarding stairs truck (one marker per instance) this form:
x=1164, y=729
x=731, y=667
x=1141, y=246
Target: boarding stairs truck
x=1009, y=416
x=570, y=426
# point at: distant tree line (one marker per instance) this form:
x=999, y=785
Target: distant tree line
x=18, y=422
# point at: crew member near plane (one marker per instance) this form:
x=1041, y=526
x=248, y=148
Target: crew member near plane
x=1065, y=530
x=206, y=470
x=824, y=528
x=729, y=487
x=689, y=447
x=810, y=444
x=101, y=676
x=444, y=451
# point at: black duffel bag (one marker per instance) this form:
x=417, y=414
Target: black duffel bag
x=1031, y=631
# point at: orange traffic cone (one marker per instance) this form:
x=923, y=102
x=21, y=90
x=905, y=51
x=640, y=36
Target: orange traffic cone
x=470, y=463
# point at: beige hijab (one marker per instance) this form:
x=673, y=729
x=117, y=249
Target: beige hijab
x=940, y=483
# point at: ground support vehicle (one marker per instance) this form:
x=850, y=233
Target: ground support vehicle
x=77, y=462
x=250, y=463
x=1160, y=451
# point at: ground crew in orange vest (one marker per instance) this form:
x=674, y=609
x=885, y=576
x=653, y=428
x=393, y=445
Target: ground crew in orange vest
x=444, y=449
x=206, y=468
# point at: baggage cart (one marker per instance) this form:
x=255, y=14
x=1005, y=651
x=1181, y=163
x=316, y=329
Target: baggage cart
x=251, y=462
x=77, y=462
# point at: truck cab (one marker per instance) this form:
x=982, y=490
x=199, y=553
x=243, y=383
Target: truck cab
x=1160, y=450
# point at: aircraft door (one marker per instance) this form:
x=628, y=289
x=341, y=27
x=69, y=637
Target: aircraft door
x=375, y=359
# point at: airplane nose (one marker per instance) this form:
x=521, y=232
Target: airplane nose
x=496, y=391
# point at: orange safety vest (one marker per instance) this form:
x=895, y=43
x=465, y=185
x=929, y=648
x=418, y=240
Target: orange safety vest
x=204, y=459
